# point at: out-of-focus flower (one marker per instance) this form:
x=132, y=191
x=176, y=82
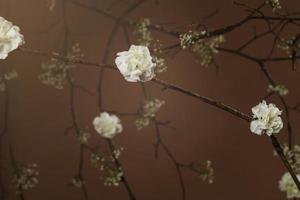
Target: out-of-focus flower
x=107, y=125
x=202, y=45
x=266, y=119
x=287, y=184
x=51, y=4
x=148, y=111
x=26, y=177
x=280, y=89
x=275, y=4
x=110, y=173
x=10, y=37
x=141, y=122
x=136, y=64
x=77, y=182
x=55, y=70
x=140, y=28
x=7, y=76
x=293, y=156
x=207, y=174
x=291, y=46
x=83, y=136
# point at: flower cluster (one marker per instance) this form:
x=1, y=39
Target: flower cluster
x=140, y=28
x=287, y=184
x=26, y=177
x=110, y=174
x=7, y=76
x=279, y=89
x=275, y=4
x=10, y=37
x=136, y=64
x=148, y=111
x=266, y=119
x=107, y=125
x=83, y=136
x=55, y=70
x=203, y=48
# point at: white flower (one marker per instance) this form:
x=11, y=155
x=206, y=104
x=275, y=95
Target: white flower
x=136, y=64
x=10, y=37
x=107, y=125
x=286, y=184
x=266, y=119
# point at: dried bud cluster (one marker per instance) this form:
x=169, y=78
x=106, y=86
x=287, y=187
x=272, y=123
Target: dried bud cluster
x=280, y=89
x=7, y=76
x=26, y=177
x=55, y=70
x=148, y=111
x=204, y=48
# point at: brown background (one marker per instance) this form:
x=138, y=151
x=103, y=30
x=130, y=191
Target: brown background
x=244, y=163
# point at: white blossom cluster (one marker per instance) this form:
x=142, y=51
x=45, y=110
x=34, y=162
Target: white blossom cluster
x=110, y=174
x=266, y=119
x=279, y=89
x=107, y=125
x=10, y=37
x=7, y=76
x=26, y=177
x=55, y=70
x=275, y=4
x=140, y=28
x=203, y=48
x=148, y=111
x=287, y=184
x=136, y=64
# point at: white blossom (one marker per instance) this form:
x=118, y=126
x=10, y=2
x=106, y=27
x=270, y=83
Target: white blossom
x=136, y=64
x=107, y=125
x=287, y=184
x=266, y=119
x=10, y=37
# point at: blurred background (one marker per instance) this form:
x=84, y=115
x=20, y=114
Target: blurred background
x=244, y=164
